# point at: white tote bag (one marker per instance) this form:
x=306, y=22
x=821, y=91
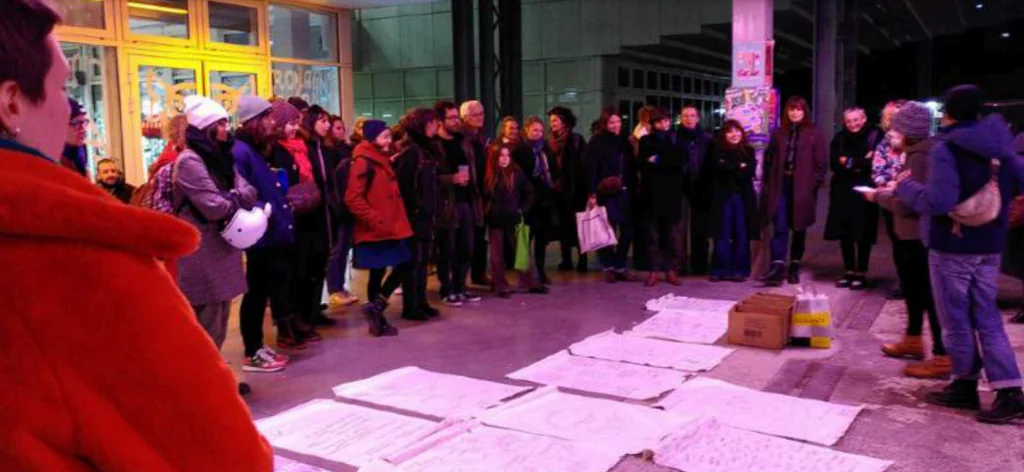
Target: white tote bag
x=594, y=230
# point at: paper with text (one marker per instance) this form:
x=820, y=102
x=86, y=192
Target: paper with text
x=709, y=446
x=284, y=464
x=770, y=413
x=653, y=352
x=429, y=393
x=688, y=326
x=340, y=432
x=613, y=425
x=606, y=377
x=673, y=302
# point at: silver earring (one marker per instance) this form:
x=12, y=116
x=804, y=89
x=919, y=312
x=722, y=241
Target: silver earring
x=17, y=131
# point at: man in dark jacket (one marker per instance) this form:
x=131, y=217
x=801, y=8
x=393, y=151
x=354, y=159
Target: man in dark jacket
x=697, y=186
x=472, y=115
x=662, y=163
x=110, y=178
x=75, y=156
x=965, y=259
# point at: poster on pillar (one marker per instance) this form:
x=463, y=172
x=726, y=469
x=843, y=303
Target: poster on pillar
x=753, y=64
x=756, y=108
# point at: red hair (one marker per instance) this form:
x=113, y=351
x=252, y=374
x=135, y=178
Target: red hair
x=496, y=175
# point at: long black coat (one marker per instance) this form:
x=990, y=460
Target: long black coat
x=505, y=207
x=850, y=216
x=697, y=180
x=661, y=182
x=731, y=172
x=606, y=156
x=809, y=176
x=545, y=202
x=568, y=173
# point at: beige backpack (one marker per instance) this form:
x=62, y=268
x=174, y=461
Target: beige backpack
x=981, y=208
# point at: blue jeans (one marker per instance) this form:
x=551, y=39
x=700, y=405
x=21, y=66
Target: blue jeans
x=732, y=247
x=338, y=261
x=615, y=257
x=965, y=298
x=782, y=222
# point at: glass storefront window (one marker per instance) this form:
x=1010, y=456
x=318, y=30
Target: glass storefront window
x=166, y=18
x=227, y=87
x=82, y=13
x=297, y=33
x=90, y=84
x=162, y=93
x=320, y=85
x=233, y=24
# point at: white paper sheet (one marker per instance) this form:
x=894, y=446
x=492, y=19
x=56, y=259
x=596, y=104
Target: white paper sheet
x=672, y=302
x=770, y=413
x=613, y=425
x=429, y=393
x=688, y=326
x=606, y=377
x=284, y=464
x=709, y=446
x=481, y=449
x=653, y=352
x=342, y=433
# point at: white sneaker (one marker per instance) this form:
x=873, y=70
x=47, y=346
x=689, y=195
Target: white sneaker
x=259, y=363
x=470, y=297
x=272, y=355
x=452, y=300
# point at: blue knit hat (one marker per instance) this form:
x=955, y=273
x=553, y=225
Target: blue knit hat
x=373, y=128
x=914, y=120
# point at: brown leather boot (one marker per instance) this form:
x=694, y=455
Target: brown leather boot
x=910, y=347
x=672, y=278
x=652, y=279
x=938, y=367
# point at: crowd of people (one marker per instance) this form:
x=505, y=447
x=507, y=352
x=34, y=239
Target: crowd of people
x=433, y=189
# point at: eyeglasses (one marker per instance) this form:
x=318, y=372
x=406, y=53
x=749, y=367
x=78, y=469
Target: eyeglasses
x=80, y=123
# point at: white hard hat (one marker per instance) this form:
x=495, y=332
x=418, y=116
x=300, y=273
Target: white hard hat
x=247, y=227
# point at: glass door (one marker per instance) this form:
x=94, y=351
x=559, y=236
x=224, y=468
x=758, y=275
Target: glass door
x=158, y=87
x=226, y=83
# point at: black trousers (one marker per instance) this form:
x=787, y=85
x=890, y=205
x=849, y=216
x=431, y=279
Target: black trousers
x=414, y=288
x=378, y=286
x=269, y=274
x=915, y=282
x=856, y=255
x=662, y=244
x=455, y=249
x=478, y=266
x=700, y=220
x=312, y=251
x=540, y=233
x=568, y=236
x=898, y=257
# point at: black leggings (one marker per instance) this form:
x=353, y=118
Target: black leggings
x=917, y=291
x=378, y=286
x=856, y=255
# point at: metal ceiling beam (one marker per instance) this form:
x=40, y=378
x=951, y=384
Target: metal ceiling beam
x=645, y=56
x=885, y=34
x=802, y=13
x=920, y=22
x=672, y=43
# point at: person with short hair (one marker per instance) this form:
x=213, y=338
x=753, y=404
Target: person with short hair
x=107, y=368
x=662, y=165
x=532, y=158
x=472, y=114
x=565, y=148
x=852, y=220
x=110, y=178
x=76, y=155
x=964, y=260
x=697, y=184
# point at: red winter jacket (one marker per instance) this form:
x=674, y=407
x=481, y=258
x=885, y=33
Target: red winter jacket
x=379, y=211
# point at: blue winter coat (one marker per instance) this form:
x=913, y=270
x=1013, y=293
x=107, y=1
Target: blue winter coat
x=252, y=166
x=960, y=166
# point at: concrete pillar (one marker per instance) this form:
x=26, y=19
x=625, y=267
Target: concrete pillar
x=510, y=43
x=463, y=41
x=486, y=58
x=752, y=21
x=824, y=107
x=848, y=36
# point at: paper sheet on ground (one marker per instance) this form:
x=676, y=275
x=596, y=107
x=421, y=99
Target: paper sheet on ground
x=770, y=413
x=342, y=433
x=673, y=302
x=709, y=446
x=606, y=377
x=688, y=326
x=613, y=425
x=476, y=448
x=284, y=464
x=429, y=393
x=653, y=352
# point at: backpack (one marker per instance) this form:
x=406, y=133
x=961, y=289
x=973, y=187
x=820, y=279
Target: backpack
x=981, y=208
x=155, y=194
x=341, y=175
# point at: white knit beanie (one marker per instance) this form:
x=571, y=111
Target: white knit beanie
x=202, y=112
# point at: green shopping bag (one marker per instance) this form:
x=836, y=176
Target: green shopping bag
x=522, y=247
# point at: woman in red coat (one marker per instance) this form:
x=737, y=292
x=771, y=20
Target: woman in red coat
x=795, y=166
x=381, y=226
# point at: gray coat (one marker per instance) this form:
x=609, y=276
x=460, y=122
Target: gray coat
x=906, y=222
x=213, y=273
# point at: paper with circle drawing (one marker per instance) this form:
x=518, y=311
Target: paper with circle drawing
x=480, y=448
x=613, y=425
x=341, y=432
x=688, y=326
x=429, y=393
x=770, y=413
x=709, y=446
x=673, y=302
x=635, y=382
x=653, y=352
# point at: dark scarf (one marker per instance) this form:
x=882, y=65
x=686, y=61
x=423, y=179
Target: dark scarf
x=216, y=156
x=77, y=156
x=557, y=142
x=794, y=138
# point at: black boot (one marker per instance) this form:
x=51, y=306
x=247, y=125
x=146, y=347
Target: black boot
x=794, y=273
x=582, y=266
x=414, y=313
x=1008, y=406
x=288, y=336
x=961, y=394
x=775, y=275
x=430, y=311
x=373, y=312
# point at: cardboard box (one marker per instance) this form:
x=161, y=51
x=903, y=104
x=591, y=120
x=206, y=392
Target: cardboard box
x=761, y=320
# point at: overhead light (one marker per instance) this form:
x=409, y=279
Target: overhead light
x=158, y=8
x=1006, y=34
x=979, y=6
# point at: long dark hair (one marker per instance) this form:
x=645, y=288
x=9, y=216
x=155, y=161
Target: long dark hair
x=253, y=133
x=730, y=125
x=600, y=125
x=414, y=128
x=307, y=130
x=566, y=115
x=495, y=175
x=798, y=102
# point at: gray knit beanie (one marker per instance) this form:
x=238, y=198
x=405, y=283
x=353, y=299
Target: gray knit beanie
x=251, y=106
x=914, y=120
